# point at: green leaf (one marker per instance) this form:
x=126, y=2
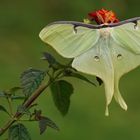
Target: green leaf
x=52, y=61
x=14, y=90
x=61, y=92
x=79, y=76
x=18, y=132
x=14, y=97
x=2, y=94
x=49, y=58
x=2, y=108
x=44, y=122
x=11, y=93
x=31, y=80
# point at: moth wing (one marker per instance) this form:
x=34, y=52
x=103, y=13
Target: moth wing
x=123, y=61
x=69, y=41
x=128, y=36
x=97, y=61
x=110, y=60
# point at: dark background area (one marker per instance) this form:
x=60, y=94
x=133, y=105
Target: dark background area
x=21, y=48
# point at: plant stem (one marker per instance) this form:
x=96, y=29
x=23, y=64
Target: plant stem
x=27, y=104
x=10, y=106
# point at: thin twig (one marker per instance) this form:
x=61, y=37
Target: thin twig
x=10, y=106
x=27, y=104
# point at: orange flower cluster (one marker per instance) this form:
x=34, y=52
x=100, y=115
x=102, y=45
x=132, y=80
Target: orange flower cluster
x=103, y=16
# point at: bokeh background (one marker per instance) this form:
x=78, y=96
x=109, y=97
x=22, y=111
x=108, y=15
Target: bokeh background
x=21, y=48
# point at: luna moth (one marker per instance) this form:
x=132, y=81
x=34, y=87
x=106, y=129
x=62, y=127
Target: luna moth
x=108, y=50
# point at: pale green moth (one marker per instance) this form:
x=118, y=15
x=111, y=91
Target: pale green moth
x=107, y=51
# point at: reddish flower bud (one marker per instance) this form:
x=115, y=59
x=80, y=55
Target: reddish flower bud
x=103, y=16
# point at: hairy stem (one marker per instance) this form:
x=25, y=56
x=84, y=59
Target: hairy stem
x=27, y=104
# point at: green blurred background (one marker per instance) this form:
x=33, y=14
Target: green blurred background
x=20, y=48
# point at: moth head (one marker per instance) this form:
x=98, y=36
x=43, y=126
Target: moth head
x=103, y=17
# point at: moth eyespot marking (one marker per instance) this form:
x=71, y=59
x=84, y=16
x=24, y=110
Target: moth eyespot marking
x=119, y=56
x=96, y=58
